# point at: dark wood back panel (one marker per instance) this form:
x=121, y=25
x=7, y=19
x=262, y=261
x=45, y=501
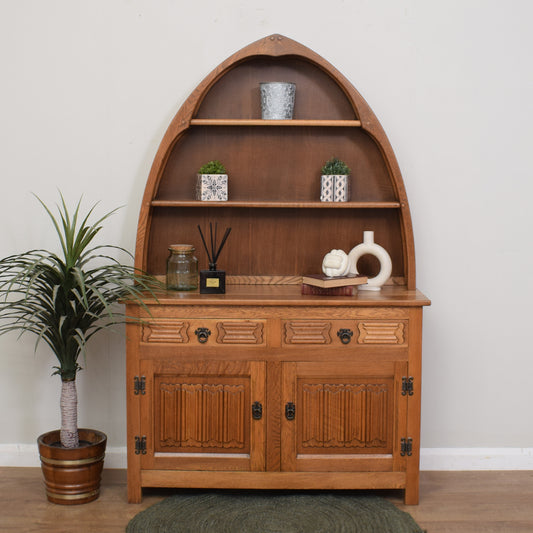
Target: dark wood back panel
x=237, y=94
x=272, y=241
x=276, y=163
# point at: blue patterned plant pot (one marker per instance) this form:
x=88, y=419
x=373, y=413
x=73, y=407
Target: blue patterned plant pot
x=212, y=187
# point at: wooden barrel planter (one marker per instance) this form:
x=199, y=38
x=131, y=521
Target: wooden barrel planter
x=72, y=475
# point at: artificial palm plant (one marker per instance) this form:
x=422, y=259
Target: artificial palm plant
x=65, y=299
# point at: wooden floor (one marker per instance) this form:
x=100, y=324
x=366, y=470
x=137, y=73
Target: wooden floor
x=458, y=502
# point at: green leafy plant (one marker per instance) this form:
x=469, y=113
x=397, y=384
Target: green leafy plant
x=335, y=167
x=213, y=167
x=65, y=299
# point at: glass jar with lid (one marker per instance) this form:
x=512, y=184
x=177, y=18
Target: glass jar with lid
x=182, y=268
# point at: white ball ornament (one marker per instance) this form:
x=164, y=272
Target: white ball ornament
x=336, y=263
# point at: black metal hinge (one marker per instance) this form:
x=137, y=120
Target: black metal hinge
x=407, y=386
x=140, y=445
x=139, y=385
x=406, y=447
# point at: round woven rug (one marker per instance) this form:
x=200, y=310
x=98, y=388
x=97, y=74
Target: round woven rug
x=230, y=512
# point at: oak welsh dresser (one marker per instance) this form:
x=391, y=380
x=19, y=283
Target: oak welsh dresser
x=263, y=387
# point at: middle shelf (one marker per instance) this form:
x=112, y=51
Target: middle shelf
x=276, y=204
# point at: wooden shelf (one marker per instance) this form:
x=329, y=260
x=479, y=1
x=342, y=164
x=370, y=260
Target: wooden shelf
x=277, y=205
x=260, y=122
x=291, y=294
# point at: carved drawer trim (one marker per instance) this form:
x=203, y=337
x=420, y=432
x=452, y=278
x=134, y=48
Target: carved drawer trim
x=165, y=331
x=240, y=332
x=307, y=332
x=382, y=332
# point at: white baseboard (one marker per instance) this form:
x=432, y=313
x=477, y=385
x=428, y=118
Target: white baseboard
x=28, y=455
x=476, y=459
x=430, y=458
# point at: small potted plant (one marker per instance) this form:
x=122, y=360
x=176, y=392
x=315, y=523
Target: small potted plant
x=212, y=182
x=335, y=181
x=64, y=299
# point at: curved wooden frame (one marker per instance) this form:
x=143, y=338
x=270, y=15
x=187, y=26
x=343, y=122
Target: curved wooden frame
x=276, y=46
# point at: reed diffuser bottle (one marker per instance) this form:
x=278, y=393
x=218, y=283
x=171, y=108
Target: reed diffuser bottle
x=213, y=281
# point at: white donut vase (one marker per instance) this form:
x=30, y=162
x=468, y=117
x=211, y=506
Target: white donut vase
x=369, y=247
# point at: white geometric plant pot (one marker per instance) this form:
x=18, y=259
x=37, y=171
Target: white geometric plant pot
x=327, y=188
x=334, y=188
x=212, y=187
x=369, y=247
x=342, y=188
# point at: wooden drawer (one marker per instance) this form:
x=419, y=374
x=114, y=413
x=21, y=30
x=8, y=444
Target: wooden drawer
x=335, y=332
x=199, y=331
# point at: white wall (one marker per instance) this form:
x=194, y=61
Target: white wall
x=88, y=88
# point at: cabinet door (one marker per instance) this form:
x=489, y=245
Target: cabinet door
x=345, y=417
x=201, y=416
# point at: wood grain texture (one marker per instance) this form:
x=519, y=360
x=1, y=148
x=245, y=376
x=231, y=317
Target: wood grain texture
x=349, y=403
x=388, y=302
x=240, y=332
x=222, y=116
x=273, y=416
x=166, y=331
x=133, y=402
x=415, y=401
x=282, y=123
x=381, y=332
x=340, y=360
x=307, y=332
x=277, y=204
x=450, y=502
x=344, y=416
x=186, y=419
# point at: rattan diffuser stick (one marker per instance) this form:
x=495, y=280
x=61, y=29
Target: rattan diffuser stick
x=214, y=252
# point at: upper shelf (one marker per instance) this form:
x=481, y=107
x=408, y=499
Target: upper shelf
x=260, y=122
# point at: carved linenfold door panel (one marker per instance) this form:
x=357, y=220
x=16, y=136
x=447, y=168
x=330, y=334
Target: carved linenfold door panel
x=345, y=416
x=202, y=415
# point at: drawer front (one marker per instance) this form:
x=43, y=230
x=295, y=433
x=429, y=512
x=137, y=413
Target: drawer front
x=165, y=331
x=240, y=332
x=383, y=332
x=325, y=332
x=200, y=332
x=307, y=332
